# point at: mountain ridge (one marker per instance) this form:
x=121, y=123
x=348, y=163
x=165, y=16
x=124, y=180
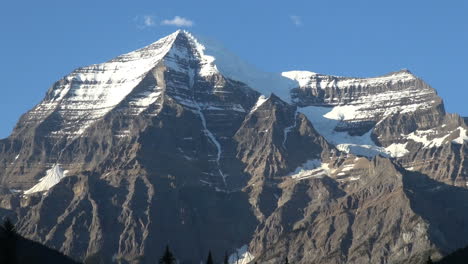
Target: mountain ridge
x=171, y=144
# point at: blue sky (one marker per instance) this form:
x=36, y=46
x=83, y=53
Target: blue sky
x=41, y=41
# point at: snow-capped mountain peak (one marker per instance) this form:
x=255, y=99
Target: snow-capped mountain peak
x=89, y=93
x=214, y=58
x=308, y=79
x=182, y=128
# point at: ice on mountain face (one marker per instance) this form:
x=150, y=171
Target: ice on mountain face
x=213, y=139
x=207, y=132
x=462, y=137
x=425, y=137
x=397, y=150
x=379, y=106
x=364, y=98
x=326, y=119
x=207, y=65
x=288, y=129
x=260, y=101
x=90, y=92
x=343, y=112
x=147, y=99
x=304, y=78
x=311, y=169
x=382, y=104
x=421, y=137
x=52, y=177
x=347, y=167
x=308, y=165
x=241, y=256
x=215, y=58
x=314, y=80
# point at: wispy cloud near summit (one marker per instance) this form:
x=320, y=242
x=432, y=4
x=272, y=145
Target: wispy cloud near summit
x=145, y=21
x=296, y=20
x=178, y=21
x=148, y=21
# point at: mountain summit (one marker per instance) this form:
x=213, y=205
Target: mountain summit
x=183, y=143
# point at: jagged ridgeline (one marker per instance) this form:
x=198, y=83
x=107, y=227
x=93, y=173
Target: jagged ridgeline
x=181, y=143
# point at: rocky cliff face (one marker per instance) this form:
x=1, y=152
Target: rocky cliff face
x=179, y=144
x=396, y=115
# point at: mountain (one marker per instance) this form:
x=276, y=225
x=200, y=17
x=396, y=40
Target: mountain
x=182, y=143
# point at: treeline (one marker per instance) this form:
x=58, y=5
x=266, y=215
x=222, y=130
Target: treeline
x=459, y=256
x=169, y=258
x=15, y=249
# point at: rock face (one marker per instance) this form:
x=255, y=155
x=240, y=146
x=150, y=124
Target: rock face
x=180, y=143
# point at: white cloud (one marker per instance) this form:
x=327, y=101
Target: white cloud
x=296, y=20
x=145, y=21
x=148, y=21
x=178, y=21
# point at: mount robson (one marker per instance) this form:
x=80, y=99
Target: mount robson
x=181, y=143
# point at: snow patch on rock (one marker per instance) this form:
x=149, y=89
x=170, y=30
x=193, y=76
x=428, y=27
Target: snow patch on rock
x=216, y=58
x=88, y=93
x=206, y=131
x=430, y=138
x=462, y=137
x=397, y=150
x=241, y=256
x=326, y=119
x=261, y=99
x=311, y=169
x=288, y=129
x=315, y=80
x=52, y=177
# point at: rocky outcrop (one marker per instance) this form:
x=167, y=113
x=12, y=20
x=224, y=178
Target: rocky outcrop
x=273, y=140
x=360, y=220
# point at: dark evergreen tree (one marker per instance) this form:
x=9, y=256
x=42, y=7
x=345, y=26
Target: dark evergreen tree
x=15, y=249
x=226, y=258
x=459, y=256
x=429, y=260
x=286, y=261
x=8, y=237
x=209, y=260
x=168, y=257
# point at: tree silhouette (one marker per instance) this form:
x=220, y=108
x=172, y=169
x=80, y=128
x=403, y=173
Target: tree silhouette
x=8, y=237
x=286, y=261
x=9, y=229
x=15, y=249
x=168, y=257
x=226, y=258
x=209, y=260
x=429, y=260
